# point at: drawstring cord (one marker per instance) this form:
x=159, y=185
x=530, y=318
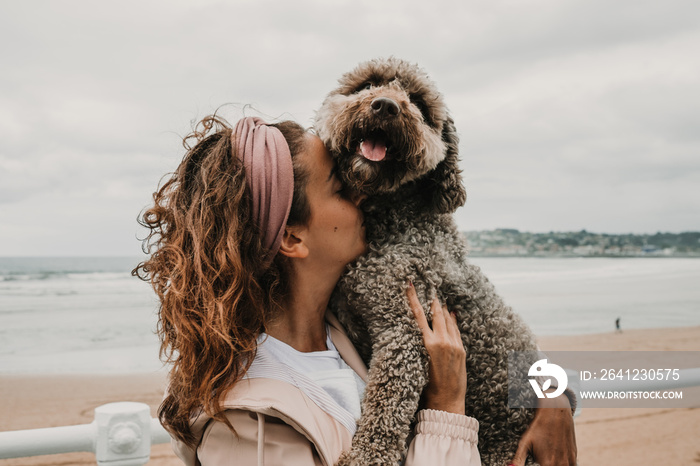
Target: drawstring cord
x=261, y=439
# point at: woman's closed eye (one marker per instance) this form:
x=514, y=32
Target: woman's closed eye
x=345, y=193
x=339, y=188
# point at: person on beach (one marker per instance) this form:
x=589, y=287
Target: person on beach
x=247, y=241
x=618, y=329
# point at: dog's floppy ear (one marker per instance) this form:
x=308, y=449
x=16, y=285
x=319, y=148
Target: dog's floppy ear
x=444, y=191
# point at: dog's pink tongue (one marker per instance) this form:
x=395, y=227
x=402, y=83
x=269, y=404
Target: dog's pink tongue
x=373, y=150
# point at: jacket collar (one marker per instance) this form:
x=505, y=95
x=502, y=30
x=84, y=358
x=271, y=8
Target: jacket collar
x=345, y=347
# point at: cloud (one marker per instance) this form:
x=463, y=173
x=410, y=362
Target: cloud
x=572, y=114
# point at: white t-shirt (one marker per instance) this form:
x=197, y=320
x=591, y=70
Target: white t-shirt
x=325, y=368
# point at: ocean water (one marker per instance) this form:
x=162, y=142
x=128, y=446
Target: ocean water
x=567, y=296
x=89, y=315
x=76, y=315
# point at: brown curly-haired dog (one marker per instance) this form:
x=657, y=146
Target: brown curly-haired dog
x=393, y=139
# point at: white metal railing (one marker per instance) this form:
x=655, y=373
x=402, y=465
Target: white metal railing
x=121, y=435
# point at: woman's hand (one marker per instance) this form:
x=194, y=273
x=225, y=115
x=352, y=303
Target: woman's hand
x=550, y=438
x=447, y=375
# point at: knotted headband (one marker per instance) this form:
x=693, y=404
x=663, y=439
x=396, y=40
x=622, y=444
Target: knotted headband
x=269, y=176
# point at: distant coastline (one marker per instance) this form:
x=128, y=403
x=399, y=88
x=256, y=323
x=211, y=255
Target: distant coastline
x=507, y=242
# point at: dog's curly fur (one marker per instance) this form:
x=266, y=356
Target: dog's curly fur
x=413, y=192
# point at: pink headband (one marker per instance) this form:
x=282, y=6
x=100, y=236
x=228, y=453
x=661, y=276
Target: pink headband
x=269, y=176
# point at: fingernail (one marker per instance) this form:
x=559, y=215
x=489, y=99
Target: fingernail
x=410, y=283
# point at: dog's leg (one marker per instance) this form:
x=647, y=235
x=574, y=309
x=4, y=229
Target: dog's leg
x=353, y=323
x=396, y=380
x=399, y=364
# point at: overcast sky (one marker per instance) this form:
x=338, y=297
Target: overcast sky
x=572, y=114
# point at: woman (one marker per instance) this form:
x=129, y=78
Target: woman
x=247, y=240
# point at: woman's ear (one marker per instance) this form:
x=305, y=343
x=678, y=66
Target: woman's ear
x=293, y=243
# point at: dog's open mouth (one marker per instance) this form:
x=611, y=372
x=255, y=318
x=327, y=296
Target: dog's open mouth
x=375, y=146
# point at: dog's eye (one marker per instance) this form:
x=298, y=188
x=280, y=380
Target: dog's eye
x=364, y=87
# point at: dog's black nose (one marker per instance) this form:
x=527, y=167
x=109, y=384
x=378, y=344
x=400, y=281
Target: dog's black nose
x=384, y=106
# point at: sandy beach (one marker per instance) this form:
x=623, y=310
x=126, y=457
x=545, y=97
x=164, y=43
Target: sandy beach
x=635, y=436
x=604, y=436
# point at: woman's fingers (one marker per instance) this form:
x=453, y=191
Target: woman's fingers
x=439, y=324
x=417, y=309
x=452, y=326
x=447, y=317
x=447, y=379
x=444, y=322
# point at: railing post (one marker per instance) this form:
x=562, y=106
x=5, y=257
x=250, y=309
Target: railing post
x=123, y=434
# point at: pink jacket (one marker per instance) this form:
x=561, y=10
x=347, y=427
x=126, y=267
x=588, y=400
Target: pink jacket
x=277, y=423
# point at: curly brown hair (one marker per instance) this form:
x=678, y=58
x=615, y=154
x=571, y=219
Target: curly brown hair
x=206, y=265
